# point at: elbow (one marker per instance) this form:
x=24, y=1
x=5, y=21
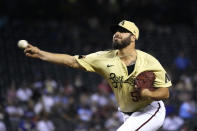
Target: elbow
x=70, y=62
x=74, y=64
x=167, y=95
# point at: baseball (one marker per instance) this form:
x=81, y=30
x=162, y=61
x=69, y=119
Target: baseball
x=22, y=44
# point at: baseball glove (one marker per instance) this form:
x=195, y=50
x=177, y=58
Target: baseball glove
x=145, y=80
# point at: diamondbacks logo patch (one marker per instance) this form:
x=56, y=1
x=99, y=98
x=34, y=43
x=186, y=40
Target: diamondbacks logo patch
x=122, y=23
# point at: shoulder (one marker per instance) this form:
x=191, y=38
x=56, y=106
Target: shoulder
x=146, y=56
x=103, y=54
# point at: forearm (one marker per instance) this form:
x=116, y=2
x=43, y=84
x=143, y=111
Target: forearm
x=158, y=94
x=61, y=59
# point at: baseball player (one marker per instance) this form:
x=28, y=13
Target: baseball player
x=142, y=111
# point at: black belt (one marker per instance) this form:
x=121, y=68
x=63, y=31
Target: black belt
x=128, y=113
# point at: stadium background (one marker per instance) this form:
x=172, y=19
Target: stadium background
x=34, y=93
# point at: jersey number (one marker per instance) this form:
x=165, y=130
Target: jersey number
x=135, y=96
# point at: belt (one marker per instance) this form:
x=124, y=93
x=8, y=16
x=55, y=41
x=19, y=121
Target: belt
x=128, y=113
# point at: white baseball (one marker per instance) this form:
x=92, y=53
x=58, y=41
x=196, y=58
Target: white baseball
x=22, y=44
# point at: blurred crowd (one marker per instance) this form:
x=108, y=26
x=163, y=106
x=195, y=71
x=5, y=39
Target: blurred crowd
x=45, y=105
x=38, y=96
x=48, y=105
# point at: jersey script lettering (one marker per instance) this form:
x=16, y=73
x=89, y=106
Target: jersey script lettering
x=117, y=81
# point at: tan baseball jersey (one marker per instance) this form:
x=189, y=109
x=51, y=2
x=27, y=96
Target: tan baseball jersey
x=110, y=66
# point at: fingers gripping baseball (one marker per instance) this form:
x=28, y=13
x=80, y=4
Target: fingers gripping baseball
x=32, y=51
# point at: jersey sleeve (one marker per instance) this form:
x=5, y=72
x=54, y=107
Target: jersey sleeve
x=162, y=79
x=88, y=62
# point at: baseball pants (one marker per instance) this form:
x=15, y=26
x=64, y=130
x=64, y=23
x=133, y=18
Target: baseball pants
x=150, y=118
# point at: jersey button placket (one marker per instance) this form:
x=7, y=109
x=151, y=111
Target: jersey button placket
x=123, y=66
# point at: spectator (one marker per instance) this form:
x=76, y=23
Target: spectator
x=104, y=88
x=81, y=126
x=45, y=103
x=24, y=93
x=181, y=61
x=15, y=112
x=61, y=99
x=2, y=125
x=44, y=124
x=173, y=122
x=50, y=85
x=38, y=83
x=113, y=122
x=188, y=109
x=4, y=117
x=99, y=98
x=11, y=94
x=27, y=124
x=85, y=113
x=78, y=82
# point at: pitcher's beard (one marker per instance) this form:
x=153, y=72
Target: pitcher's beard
x=120, y=45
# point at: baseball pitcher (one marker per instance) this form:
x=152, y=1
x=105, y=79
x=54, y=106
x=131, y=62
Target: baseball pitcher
x=137, y=79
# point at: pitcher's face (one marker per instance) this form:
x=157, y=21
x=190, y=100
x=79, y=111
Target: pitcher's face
x=121, y=39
